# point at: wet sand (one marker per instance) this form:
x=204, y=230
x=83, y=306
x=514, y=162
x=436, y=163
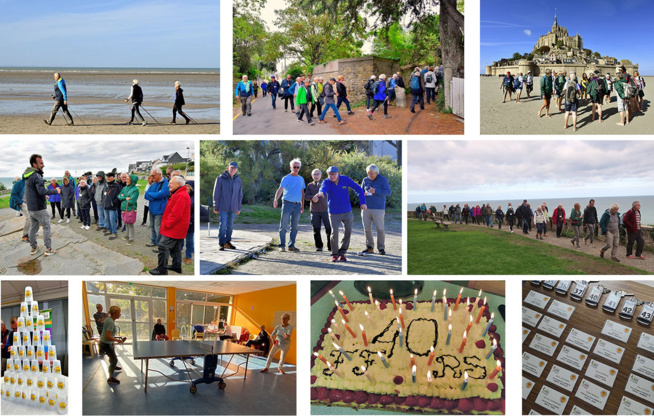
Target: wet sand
x=522, y=118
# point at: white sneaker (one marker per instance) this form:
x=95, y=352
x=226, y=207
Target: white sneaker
x=87, y=227
x=67, y=220
x=60, y=221
x=82, y=227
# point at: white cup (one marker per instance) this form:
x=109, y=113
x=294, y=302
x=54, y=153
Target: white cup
x=61, y=383
x=46, y=339
x=10, y=364
x=40, y=354
x=36, y=338
x=21, y=323
x=46, y=368
x=29, y=323
x=12, y=378
x=17, y=338
x=21, y=352
x=52, y=400
x=29, y=353
x=34, y=366
x=52, y=352
x=26, y=339
x=34, y=395
x=56, y=366
x=23, y=309
x=40, y=382
x=20, y=379
x=35, y=308
x=13, y=351
x=29, y=379
x=17, y=364
x=29, y=295
x=40, y=323
x=62, y=403
x=26, y=365
x=16, y=393
x=43, y=397
x=49, y=381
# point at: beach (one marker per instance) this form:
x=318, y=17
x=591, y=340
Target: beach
x=96, y=100
x=522, y=118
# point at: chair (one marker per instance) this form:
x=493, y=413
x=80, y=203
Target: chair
x=88, y=341
x=175, y=335
x=199, y=335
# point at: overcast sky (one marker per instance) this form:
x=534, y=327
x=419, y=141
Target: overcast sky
x=79, y=157
x=479, y=170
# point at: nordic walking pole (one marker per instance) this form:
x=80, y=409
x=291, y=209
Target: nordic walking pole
x=149, y=114
x=191, y=118
x=77, y=115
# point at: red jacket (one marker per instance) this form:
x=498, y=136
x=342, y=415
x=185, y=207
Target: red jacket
x=629, y=221
x=177, y=215
x=554, y=215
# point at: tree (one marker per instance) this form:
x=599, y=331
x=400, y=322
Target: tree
x=452, y=42
x=597, y=55
x=250, y=34
x=418, y=44
x=516, y=56
x=397, y=144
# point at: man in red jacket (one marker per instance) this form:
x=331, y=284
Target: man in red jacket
x=631, y=222
x=174, y=225
x=558, y=219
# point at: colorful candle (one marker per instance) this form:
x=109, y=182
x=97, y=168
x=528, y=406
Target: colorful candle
x=332, y=293
x=449, y=315
x=458, y=299
x=341, y=311
x=381, y=356
x=497, y=370
x=334, y=370
x=463, y=343
x=492, y=349
x=335, y=325
x=465, y=380
x=401, y=338
x=346, y=301
x=379, y=309
x=332, y=334
x=320, y=357
x=349, y=330
x=372, y=302
x=429, y=379
x=468, y=303
x=363, y=334
x=370, y=321
x=413, y=373
x=345, y=354
x=431, y=356
x=481, y=311
x=393, y=300
x=401, y=319
x=469, y=324
x=415, y=299
x=449, y=335
x=489, y=324
x=368, y=376
x=478, y=298
x=433, y=301
x=445, y=305
x=400, y=302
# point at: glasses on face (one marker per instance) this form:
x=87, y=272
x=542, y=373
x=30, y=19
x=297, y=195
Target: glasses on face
x=296, y=167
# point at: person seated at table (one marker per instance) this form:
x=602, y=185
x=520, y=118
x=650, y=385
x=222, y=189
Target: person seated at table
x=227, y=332
x=159, y=331
x=282, y=335
x=261, y=339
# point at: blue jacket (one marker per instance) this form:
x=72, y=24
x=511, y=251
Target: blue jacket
x=226, y=197
x=392, y=84
x=240, y=89
x=157, y=194
x=604, y=222
x=61, y=94
x=16, y=198
x=381, y=91
x=338, y=196
x=382, y=190
x=54, y=197
x=287, y=87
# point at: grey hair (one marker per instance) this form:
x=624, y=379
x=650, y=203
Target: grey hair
x=373, y=77
x=373, y=168
x=135, y=81
x=295, y=160
x=177, y=172
x=179, y=179
x=316, y=171
x=82, y=182
x=17, y=178
x=382, y=76
x=177, y=83
x=53, y=179
x=634, y=203
x=244, y=76
x=156, y=170
x=615, y=207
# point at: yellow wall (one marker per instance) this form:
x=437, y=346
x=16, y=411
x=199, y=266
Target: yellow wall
x=258, y=308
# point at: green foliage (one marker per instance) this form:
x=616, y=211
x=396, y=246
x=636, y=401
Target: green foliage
x=419, y=43
x=559, y=43
x=354, y=166
x=250, y=35
x=3, y=187
x=516, y=56
x=543, y=50
x=530, y=56
x=588, y=52
x=597, y=55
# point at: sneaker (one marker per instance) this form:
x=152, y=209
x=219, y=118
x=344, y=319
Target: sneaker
x=157, y=272
x=370, y=116
x=82, y=227
x=369, y=250
x=342, y=258
x=130, y=242
x=50, y=251
x=387, y=116
x=615, y=259
x=113, y=237
x=144, y=124
x=25, y=238
x=99, y=228
x=47, y=122
x=124, y=228
x=150, y=245
x=641, y=257
x=293, y=249
x=129, y=123
x=188, y=261
x=67, y=220
x=263, y=370
x=60, y=221
x=350, y=112
x=112, y=380
x=341, y=122
x=87, y=228
x=413, y=111
x=631, y=257
x=382, y=252
x=35, y=250
x=319, y=249
x=156, y=250
x=334, y=259
x=222, y=248
x=172, y=122
x=282, y=249
x=229, y=246
x=312, y=123
x=601, y=254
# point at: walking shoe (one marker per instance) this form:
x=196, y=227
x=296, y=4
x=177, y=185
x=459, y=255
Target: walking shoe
x=282, y=249
x=26, y=238
x=60, y=221
x=144, y=124
x=99, y=228
x=174, y=269
x=342, y=258
x=334, y=259
x=172, y=122
x=107, y=232
x=641, y=257
x=222, y=248
x=113, y=237
x=370, y=116
x=382, y=252
x=615, y=259
x=129, y=123
x=413, y=111
x=350, y=112
x=387, y=116
x=49, y=251
x=188, y=121
x=157, y=272
x=293, y=249
x=70, y=124
x=35, y=250
x=321, y=122
x=156, y=250
x=119, y=368
x=601, y=254
x=572, y=242
x=229, y=245
x=130, y=242
x=263, y=370
x=82, y=227
x=630, y=257
x=47, y=122
x=67, y=220
x=188, y=261
x=319, y=249
x=311, y=124
x=150, y=244
x=124, y=228
x=112, y=380
x=368, y=250
x=341, y=122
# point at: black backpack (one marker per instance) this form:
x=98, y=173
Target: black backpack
x=137, y=97
x=600, y=86
x=374, y=89
x=430, y=78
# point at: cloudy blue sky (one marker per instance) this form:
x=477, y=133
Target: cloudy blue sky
x=509, y=27
x=118, y=33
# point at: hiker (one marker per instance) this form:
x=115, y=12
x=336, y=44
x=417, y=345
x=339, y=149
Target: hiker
x=399, y=80
x=255, y=89
x=244, y=91
x=510, y=217
x=466, y=213
x=179, y=102
x=444, y=213
x=329, y=94
x=305, y=96
x=610, y=226
x=97, y=190
x=84, y=197
x=110, y=205
x=558, y=219
x=18, y=203
x=392, y=84
x=590, y=221
x=174, y=226
x=430, y=85
x=146, y=203
x=609, y=88
x=316, y=90
x=379, y=90
x=596, y=89
x=507, y=85
x=640, y=84
x=423, y=211
x=264, y=88
x=571, y=93
x=546, y=93
x=575, y=221
x=547, y=217
x=55, y=200
x=541, y=222
x=273, y=89
x=417, y=86
x=129, y=196
x=517, y=86
x=558, y=86
x=418, y=212
x=61, y=101
x=376, y=188
x=341, y=89
x=340, y=209
x=623, y=100
x=157, y=194
x=584, y=87
x=529, y=83
x=295, y=87
x=67, y=198
x=367, y=87
x=227, y=203
x=457, y=214
x=190, y=246
x=488, y=215
x=319, y=214
x=287, y=92
x=292, y=187
x=35, y=194
x=136, y=95
x=499, y=216
x=523, y=212
x=478, y=215
x=632, y=223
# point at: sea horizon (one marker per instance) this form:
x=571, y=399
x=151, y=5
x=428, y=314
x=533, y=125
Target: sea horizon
x=124, y=70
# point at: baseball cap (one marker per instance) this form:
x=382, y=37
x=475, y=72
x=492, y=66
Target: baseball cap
x=233, y=164
x=332, y=169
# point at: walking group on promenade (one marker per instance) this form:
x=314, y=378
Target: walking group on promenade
x=525, y=217
x=571, y=93
x=111, y=199
x=329, y=204
x=135, y=97
x=315, y=97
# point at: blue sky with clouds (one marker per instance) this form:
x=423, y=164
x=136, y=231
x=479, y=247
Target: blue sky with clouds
x=145, y=34
x=622, y=29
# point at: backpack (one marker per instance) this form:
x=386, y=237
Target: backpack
x=415, y=83
x=367, y=85
x=570, y=92
x=430, y=78
x=374, y=89
x=517, y=83
x=631, y=88
x=600, y=87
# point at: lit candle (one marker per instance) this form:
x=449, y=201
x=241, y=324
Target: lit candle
x=334, y=370
x=431, y=356
x=365, y=373
x=400, y=302
x=401, y=319
x=381, y=356
x=489, y=324
x=497, y=370
x=363, y=334
x=468, y=303
x=346, y=301
x=372, y=302
x=492, y=349
x=429, y=376
x=349, y=329
x=332, y=293
x=465, y=380
x=393, y=300
x=458, y=299
x=463, y=343
x=449, y=315
x=345, y=354
x=401, y=338
x=469, y=325
x=445, y=305
x=320, y=357
x=413, y=373
x=415, y=299
x=478, y=297
x=433, y=300
x=449, y=335
x=341, y=311
x=381, y=315
x=481, y=311
x=332, y=334
x=413, y=360
x=335, y=325
x=370, y=321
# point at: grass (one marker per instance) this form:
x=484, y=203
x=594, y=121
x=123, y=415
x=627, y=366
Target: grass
x=4, y=201
x=484, y=251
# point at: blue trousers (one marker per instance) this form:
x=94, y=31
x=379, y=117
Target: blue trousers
x=290, y=211
x=189, y=245
x=101, y=217
x=226, y=227
x=273, y=96
x=327, y=107
x=112, y=226
x=342, y=100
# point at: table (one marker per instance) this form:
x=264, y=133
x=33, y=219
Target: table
x=591, y=321
x=147, y=350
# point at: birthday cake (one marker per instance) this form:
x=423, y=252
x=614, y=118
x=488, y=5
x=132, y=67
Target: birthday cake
x=414, y=361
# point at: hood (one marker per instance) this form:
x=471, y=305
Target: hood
x=133, y=179
x=192, y=185
x=101, y=174
x=29, y=171
x=225, y=175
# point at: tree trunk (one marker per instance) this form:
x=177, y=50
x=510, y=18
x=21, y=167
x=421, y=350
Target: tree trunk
x=451, y=31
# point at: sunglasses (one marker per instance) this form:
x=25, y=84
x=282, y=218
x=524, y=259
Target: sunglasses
x=296, y=167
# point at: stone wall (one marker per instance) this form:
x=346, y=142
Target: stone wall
x=539, y=69
x=356, y=72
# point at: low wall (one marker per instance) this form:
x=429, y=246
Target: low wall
x=539, y=69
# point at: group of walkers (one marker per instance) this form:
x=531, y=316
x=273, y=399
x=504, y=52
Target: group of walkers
x=609, y=224
x=572, y=93
x=329, y=204
x=310, y=97
x=135, y=98
x=111, y=199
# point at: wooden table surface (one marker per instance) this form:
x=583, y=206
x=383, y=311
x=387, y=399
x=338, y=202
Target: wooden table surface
x=591, y=321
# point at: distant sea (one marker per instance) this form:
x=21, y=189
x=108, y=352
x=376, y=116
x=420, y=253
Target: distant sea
x=601, y=203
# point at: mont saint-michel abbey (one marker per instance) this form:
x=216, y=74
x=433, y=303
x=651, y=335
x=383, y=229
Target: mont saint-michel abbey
x=558, y=51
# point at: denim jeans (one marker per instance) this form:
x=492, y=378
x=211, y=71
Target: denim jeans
x=101, y=217
x=112, y=225
x=457, y=217
x=327, y=107
x=226, y=227
x=155, y=227
x=499, y=223
x=417, y=98
x=189, y=245
x=290, y=211
x=273, y=96
x=342, y=100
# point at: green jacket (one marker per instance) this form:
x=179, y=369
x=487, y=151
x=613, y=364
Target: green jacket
x=575, y=216
x=130, y=191
x=592, y=87
x=546, y=85
x=619, y=87
x=315, y=91
x=301, y=97
x=560, y=82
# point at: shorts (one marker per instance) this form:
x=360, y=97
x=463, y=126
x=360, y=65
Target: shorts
x=571, y=107
x=598, y=100
x=547, y=96
x=623, y=105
